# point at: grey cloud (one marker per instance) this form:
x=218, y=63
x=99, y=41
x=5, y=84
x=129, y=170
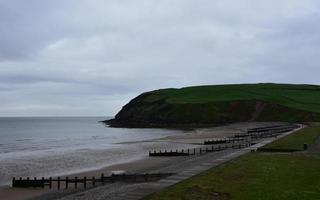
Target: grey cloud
x=293, y=50
x=84, y=57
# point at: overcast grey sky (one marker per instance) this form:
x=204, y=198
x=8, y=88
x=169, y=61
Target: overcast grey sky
x=90, y=57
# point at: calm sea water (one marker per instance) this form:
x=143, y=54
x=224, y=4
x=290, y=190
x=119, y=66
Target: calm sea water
x=47, y=146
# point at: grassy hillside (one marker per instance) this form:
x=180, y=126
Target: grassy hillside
x=217, y=104
x=304, y=97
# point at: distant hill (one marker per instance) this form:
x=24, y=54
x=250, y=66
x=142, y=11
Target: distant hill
x=219, y=104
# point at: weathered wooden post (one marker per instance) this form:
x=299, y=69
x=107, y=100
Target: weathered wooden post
x=305, y=146
x=75, y=182
x=58, y=182
x=102, y=178
x=67, y=182
x=13, y=181
x=145, y=177
x=112, y=178
x=50, y=182
x=93, y=181
x=42, y=184
x=85, y=182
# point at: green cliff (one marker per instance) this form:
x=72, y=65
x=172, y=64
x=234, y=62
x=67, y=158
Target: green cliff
x=218, y=104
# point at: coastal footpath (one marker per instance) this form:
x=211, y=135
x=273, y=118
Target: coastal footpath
x=184, y=168
x=281, y=174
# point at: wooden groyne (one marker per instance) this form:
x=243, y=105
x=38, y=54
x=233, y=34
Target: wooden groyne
x=182, y=152
x=237, y=141
x=278, y=128
x=197, y=151
x=269, y=131
x=75, y=182
x=253, y=134
x=225, y=140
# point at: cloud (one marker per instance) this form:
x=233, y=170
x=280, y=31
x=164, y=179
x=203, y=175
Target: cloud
x=90, y=57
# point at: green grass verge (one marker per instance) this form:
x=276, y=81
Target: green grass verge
x=253, y=176
x=296, y=140
x=263, y=176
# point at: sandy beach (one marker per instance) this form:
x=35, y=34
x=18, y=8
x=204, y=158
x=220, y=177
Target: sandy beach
x=192, y=139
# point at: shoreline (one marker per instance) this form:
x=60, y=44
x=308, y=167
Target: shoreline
x=138, y=165
x=115, y=123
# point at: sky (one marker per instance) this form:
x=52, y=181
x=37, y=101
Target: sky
x=90, y=57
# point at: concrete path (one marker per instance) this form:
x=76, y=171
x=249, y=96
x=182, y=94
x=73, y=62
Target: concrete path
x=199, y=164
x=183, y=167
x=204, y=166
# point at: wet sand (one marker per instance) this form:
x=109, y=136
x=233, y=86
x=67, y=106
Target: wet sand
x=145, y=164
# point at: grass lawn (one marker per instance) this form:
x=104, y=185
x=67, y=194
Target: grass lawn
x=304, y=97
x=257, y=176
x=296, y=140
x=253, y=176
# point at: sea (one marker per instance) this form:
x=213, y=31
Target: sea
x=51, y=146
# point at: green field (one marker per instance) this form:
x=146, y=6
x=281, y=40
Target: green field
x=297, y=139
x=251, y=177
x=219, y=104
x=304, y=97
x=257, y=175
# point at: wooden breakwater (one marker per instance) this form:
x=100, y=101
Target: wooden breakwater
x=197, y=151
x=268, y=131
x=182, y=152
x=254, y=134
x=278, y=128
x=237, y=141
x=225, y=140
x=75, y=182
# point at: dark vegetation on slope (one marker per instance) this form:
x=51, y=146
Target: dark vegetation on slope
x=218, y=104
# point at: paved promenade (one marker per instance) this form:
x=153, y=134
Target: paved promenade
x=186, y=167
